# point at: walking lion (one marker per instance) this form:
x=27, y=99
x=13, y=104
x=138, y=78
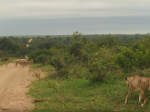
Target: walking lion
x=137, y=83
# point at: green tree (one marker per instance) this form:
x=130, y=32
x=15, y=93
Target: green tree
x=45, y=44
x=76, y=36
x=100, y=64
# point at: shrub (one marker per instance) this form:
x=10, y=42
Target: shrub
x=43, y=58
x=40, y=55
x=56, y=63
x=125, y=58
x=137, y=56
x=5, y=58
x=63, y=73
x=100, y=64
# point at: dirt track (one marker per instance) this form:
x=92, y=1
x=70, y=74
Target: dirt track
x=13, y=88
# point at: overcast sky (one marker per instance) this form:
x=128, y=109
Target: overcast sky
x=63, y=17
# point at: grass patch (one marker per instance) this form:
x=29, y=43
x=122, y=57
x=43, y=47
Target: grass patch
x=11, y=60
x=2, y=62
x=79, y=95
x=45, y=68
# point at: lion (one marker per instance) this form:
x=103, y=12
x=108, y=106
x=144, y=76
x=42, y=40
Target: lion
x=137, y=83
x=21, y=62
x=6, y=63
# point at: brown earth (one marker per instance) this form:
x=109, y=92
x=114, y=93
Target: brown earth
x=14, y=84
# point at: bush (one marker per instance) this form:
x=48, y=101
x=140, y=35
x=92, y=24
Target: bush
x=63, y=73
x=40, y=55
x=100, y=64
x=57, y=64
x=5, y=58
x=137, y=56
x=43, y=58
x=125, y=59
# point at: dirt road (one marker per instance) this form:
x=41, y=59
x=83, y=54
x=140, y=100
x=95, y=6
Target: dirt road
x=13, y=87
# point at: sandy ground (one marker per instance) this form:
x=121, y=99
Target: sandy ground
x=14, y=84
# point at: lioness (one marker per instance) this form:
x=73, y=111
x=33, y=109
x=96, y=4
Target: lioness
x=6, y=63
x=137, y=83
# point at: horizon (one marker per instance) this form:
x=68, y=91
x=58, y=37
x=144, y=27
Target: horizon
x=72, y=34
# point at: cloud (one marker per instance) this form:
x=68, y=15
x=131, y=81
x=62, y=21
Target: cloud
x=72, y=8
x=47, y=17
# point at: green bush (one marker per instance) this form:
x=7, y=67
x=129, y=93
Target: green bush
x=137, y=56
x=63, y=73
x=40, y=55
x=100, y=64
x=125, y=59
x=57, y=64
x=5, y=58
x=43, y=58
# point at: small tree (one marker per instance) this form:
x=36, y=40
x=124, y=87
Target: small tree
x=100, y=64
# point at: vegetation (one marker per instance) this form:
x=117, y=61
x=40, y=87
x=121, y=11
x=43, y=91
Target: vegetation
x=79, y=95
x=84, y=72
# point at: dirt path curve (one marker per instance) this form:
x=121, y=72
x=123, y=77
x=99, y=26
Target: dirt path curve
x=13, y=88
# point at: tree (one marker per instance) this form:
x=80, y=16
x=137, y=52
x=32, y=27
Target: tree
x=8, y=46
x=45, y=44
x=76, y=36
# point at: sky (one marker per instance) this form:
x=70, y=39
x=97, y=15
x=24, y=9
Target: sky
x=64, y=17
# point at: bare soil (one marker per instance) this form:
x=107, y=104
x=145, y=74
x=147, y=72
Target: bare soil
x=14, y=84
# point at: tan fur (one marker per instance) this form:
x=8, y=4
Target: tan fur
x=30, y=62
x=6, y=63
x=23, y=62
x=137, y=83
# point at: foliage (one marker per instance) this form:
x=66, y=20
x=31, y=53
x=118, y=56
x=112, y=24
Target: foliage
x=76, y=36
x=89, y=62
x=56, y=63
x=80, y=55
x=79, y=95
x=125, y=58
x=109, y=41
x=75, y=49
x=100, y=64
x=5, y=58
x=40, y=55
x=42, y=58
x=7, y=45
x=137, y=56
x=45, y=44
x=62, y=62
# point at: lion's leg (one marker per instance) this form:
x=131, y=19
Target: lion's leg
x=15, y=65
x=6, y=62
x=128, y=95
x=140, y=97
x=143, y=93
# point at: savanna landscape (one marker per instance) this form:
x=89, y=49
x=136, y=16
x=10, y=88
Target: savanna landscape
x=76, y=73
